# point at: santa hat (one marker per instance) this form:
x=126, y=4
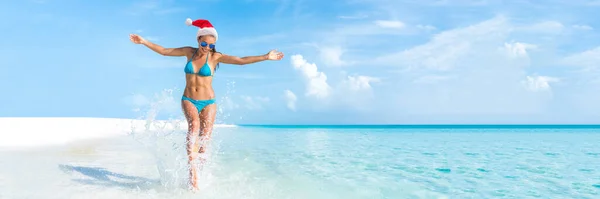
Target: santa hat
x=206, y=28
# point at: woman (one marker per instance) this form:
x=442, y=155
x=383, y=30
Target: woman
x=198, y=100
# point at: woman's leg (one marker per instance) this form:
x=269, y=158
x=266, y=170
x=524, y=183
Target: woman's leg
x=193, y=139
x=207, y=119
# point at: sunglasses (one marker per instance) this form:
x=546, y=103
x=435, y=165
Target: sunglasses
x=204, y=44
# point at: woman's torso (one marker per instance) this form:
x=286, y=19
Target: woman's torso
x=199, y=87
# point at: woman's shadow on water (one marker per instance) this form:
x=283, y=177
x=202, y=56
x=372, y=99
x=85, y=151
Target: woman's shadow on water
x=102, y=177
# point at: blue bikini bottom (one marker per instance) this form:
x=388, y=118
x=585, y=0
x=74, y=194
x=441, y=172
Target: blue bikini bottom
x=199, y=104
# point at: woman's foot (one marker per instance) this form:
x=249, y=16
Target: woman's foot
x=194, y=188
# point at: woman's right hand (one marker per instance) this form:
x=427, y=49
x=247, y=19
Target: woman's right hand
x=136, y=39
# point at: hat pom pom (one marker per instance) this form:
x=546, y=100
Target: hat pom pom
x=188, y=21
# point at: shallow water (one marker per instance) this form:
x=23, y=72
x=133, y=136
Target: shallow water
x=255, y=162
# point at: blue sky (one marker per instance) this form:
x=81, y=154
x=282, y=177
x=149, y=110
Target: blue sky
x=355, y=61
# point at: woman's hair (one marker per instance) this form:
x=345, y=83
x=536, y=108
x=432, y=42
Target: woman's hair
x=214, y=50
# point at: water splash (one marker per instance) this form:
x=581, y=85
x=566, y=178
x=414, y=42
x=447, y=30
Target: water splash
x=165, y=140
x=226, y=104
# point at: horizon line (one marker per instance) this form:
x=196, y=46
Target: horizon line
x=592, y=126
x=495, y=125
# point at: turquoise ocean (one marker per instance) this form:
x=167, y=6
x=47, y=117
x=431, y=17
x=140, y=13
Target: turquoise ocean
x=293, y=162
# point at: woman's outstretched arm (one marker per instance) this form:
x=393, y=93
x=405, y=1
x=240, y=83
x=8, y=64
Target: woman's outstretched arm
x=228, y=59
x=181, y=51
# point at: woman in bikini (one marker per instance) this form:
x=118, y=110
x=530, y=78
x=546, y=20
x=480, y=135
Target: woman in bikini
x=198, y=100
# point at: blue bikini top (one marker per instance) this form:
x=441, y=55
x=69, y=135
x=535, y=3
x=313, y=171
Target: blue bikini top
x=204, y=70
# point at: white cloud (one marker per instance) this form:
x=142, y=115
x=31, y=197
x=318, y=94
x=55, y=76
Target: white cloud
x=518, y=49
x=389, y=23
x=254, y=103
x=359, y=82
x=448, y=48
x=228, y=104
x=583, y=27
x=332, y=55
x=349, y=92
x=426, y=27
x=493, y=67
x=462, y=72
x=589, y=59
x=592, y=3
x=586, y=64
x=583, y=94
x=539, y=83
x=316, y=81
x=548, y=27
x=291, y=99
x=355, y=92
x=341, y=33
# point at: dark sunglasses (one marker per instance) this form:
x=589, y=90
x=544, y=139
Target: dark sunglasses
x=204, y=44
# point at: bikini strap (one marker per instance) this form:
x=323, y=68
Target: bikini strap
x=194, y=55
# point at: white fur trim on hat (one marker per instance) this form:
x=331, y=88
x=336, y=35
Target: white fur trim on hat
x=205, y=27
x=208, y=31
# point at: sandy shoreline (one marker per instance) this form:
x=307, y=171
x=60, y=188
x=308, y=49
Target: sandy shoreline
x=43, y=131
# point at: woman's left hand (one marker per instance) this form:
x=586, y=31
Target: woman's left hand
x=274, y=55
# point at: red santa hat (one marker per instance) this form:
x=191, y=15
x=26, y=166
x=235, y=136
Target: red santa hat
x=205, y=27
